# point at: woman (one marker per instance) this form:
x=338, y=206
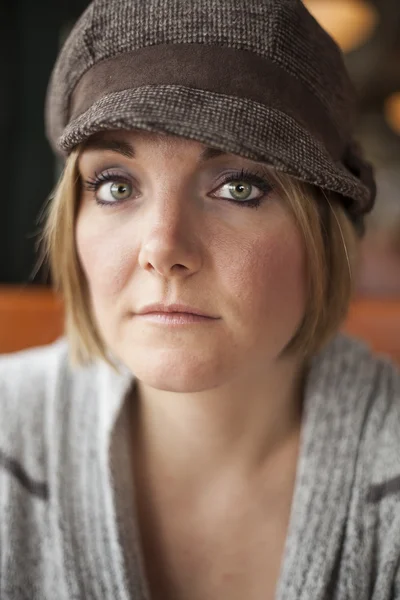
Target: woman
x=203, y=430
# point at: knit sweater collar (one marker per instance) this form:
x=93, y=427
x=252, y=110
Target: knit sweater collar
x=337, y=397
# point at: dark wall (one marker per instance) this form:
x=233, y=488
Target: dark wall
x=30, y=34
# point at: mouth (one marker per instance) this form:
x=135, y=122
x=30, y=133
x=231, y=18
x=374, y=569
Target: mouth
x=175, y=318
x=174, y=309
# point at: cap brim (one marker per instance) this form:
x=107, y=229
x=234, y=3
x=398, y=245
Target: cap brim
x=234, y=125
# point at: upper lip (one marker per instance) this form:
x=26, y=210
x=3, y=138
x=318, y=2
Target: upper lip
x=173, y=308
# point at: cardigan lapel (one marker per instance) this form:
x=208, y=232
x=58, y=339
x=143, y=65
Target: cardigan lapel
x=337, y=400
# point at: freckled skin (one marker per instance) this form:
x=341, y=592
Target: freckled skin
x=175, y=243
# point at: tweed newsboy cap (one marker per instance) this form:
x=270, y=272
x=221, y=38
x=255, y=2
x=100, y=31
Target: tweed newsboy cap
x=257, y=78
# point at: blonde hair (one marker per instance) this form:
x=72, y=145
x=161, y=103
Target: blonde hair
x=331, y=253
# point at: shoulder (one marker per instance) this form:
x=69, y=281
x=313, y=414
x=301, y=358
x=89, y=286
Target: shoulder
x=27, y=377
x=356, y=396
x=349, y=366
x=365, y=386
x=28, y=380
x=369, y=383
x=377, y=473
x=355, y=356
x=40, y=393
x=29, y=374
x=19, y=370
x=43, y=372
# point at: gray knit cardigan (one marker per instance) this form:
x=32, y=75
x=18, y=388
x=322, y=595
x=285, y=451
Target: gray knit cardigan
x=67, y=526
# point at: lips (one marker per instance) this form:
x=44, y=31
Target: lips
x=175, y=309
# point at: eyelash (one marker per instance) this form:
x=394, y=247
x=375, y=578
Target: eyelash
x=253, y=178
x=246, y=176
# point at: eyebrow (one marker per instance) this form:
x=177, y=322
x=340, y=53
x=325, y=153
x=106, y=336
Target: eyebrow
x=117, y=146
x=126, y=149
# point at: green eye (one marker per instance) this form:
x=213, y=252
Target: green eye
x=120, y=190
x=240, y=190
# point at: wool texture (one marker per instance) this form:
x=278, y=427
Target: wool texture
x=67, y=517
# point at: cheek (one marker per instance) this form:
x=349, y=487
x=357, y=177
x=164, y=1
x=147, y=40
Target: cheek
x=282, y=269
x=267, y=278
x=105, y=255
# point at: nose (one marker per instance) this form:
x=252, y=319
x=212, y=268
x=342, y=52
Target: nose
x=170, y=242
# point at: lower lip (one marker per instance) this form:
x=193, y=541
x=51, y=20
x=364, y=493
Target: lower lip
x=175, y=318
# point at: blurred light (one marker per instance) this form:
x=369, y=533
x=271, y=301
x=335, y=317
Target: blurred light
x=349, y=22
x=392, y=111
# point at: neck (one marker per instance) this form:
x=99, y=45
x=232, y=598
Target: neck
x=241, y=426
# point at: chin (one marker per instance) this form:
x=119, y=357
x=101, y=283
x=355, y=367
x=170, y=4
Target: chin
x=177, y=372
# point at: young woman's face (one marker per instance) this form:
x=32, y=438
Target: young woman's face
x=163, y=220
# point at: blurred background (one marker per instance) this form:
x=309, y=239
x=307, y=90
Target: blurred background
x=368, y=31
x=31, y=34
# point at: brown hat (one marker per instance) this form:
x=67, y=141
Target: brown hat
x=257, y=78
